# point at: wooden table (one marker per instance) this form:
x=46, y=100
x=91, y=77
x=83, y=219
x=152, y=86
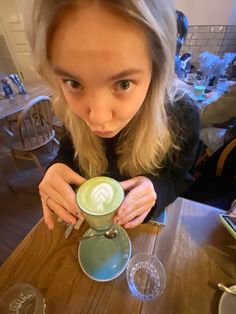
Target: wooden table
x=197, y=252
x=33, y=88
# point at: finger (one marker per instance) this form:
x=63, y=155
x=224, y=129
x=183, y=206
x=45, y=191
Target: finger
x=79, y=214
x=134, y=213
x=116, y=220
x=56, y=196
x=131, y=198
x=129, y=184
x=47, y=216
x=74, y=178
x=131, y=204
x=140, y=181
x=60, y=191
x=69, y=195
x=64, y=195
x=136, y=199
x=136, y=221
x=60, y=211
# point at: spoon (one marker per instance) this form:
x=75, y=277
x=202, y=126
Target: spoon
x=226, y=289
x=109, y=234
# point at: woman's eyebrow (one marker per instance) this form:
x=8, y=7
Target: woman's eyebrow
x=64, y=73
x=123, y=74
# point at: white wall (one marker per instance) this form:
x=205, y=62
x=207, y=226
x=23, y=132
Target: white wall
x=208, y=12
x=232, y=18
x=15, y=38
x=1, y=28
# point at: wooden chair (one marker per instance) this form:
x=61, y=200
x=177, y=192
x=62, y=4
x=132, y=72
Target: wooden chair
x=34, y=130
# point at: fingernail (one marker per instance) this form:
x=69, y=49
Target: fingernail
x=79, y=215
x=117, y=222
x=50, y=227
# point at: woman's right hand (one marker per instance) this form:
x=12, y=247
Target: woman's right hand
x=57, y=195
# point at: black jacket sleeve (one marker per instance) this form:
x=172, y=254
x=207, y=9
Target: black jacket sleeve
x=174, y=178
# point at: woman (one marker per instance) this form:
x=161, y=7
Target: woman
x=182, y=30
x=111, y=64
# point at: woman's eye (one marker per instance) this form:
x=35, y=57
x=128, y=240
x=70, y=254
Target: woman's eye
x=72, y=84
x=123, y=85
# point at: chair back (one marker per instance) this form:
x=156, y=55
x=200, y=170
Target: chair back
x=34, y=126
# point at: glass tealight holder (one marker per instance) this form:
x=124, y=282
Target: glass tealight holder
x=22, y=298
x=146, y=277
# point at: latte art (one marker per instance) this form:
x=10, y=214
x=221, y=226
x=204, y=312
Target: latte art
x=98, y=198
x=102, y=196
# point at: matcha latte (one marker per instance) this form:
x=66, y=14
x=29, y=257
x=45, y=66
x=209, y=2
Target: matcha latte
x=98, y=198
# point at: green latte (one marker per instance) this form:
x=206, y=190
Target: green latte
x=99, y=196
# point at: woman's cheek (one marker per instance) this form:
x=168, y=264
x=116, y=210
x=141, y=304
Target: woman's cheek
x=72, y=102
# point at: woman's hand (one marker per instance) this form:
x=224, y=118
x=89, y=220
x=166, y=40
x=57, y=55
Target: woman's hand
x=138, y=202
x=58, y=196
x=232, y=211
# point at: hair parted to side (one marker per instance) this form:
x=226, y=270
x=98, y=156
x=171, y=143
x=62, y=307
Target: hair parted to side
x=148, y=139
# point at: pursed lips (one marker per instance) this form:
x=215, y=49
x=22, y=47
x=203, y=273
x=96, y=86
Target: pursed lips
x=102, y=132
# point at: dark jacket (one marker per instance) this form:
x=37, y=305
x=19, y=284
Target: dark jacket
x=174, y=177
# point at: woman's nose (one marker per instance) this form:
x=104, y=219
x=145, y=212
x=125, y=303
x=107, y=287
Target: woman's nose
x=99, y=112
x=100, y=116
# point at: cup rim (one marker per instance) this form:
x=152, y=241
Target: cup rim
x=125, y=237
x=99, y=214
x=21, y=288
x=145, y=256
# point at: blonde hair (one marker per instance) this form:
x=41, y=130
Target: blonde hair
x=145, y=143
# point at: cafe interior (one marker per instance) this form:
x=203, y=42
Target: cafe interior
x=182, y=261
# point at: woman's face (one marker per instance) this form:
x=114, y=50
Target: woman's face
x=103, y=65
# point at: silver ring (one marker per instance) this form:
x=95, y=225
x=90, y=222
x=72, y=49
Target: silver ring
x=46, y=200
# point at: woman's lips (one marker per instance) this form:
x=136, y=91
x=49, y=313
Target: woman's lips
x=101, y=133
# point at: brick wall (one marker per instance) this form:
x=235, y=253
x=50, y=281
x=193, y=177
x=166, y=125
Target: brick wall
x=217, y=39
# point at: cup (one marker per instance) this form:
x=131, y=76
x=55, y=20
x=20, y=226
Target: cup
x=145, y=276
x=199, y=91
x=22, y=298
x=98, y=198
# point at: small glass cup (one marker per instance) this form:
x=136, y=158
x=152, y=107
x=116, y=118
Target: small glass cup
x=22, y=298
x=199, y=88
x=146, y=276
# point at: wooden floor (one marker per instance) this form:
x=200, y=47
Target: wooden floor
x=20, y=208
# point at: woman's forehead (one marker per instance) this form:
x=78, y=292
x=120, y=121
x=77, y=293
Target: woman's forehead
x=92, y=26
x=96, y=32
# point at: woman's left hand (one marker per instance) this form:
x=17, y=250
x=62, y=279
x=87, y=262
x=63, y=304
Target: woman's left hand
x=138, y=202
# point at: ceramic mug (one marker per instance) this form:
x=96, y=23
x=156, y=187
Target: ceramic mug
x=98, y=199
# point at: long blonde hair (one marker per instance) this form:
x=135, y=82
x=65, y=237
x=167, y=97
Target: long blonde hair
x=144, y=144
